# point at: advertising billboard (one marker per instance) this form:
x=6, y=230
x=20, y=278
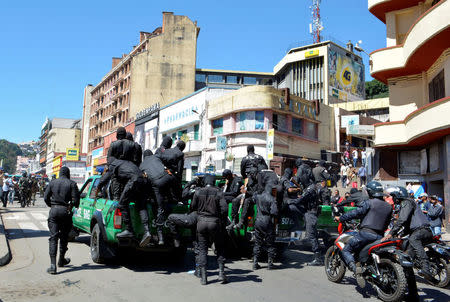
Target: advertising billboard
x=346, y=77
x=146, y=134
x=72, y=154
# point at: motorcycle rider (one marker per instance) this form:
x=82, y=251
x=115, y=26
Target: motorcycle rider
x=61, y=194
x=320, y=173
x=375, y=215
x=416, y=224
x=212, y=210
x=265, y=223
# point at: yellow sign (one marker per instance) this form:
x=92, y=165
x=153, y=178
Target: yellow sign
x=72, y=154
x=270, y=143
x=311, y=53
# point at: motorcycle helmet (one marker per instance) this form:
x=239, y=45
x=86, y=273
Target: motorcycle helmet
x=374, y=189
x=24, y=174
x=398, y=193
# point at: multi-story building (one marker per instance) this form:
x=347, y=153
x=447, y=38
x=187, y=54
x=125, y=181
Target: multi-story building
x=230, y=78
x=160, y=69
x=22, y=164
x=323, y=71
x=63, y=134
x=414, y=147
x=87, y=99
x=43, y=143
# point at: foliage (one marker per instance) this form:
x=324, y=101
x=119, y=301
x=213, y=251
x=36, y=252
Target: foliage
x=376, y=89
x=8, y=153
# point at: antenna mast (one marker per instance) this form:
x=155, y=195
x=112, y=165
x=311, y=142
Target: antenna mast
x=315, y=27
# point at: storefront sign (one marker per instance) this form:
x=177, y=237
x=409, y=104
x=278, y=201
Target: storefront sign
x=349, y=120
x=270, y=143
x=148, y=111
x=221, y=143
x=361, y=130
x=72, y=154
x=303, y=108
x=312, y=53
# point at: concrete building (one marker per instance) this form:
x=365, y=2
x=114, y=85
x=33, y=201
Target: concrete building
x=242, y=117
x=87, y=100
x=22, y=164
x=230, y=78
x=414, y=147
x=185, y=119
x=161, y=68
x=375, y=108
x=323, y=71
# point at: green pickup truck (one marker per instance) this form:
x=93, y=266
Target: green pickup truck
x=102, y=219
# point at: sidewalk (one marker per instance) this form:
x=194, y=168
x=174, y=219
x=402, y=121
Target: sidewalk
x=5, y=253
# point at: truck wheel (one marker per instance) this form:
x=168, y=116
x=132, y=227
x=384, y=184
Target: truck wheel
x=98, y=246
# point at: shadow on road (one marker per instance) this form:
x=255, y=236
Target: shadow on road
x=432, y=294
x=86, y=266
x=14, y=234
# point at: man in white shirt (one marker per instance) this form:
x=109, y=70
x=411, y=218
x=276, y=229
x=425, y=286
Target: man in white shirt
x=363, y=157
x=344, y=169
x=355, y=157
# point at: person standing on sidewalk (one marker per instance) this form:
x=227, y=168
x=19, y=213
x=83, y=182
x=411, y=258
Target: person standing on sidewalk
x=434, y=214
x=363, y=157
x=362, y=175
x=5, y=190
x=61, y=195
x=344, y=169
x=355, y=157
x=2, y=178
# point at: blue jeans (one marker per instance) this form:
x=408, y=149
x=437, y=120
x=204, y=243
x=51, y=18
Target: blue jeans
x=355, y=161
x=11, y=195
x=356, y=244
x=436, y=230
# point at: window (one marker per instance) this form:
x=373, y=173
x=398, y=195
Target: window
x=181, y=133
x=310, y=129
x=94, y=188
x=174, y=136
x=196, y=130
x=250, y=120
x=85, y=188
x=217, y=126
x=279, y=122
x=215, y=78
x=436, y=88
x=297, y=126
x=200, y=78
x=250, y=80
x=232, y=79
x=259, y=120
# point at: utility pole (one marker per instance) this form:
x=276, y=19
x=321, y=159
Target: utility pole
x=315, y=27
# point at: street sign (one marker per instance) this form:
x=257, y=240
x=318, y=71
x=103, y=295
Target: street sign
x=72, y=154
x=270, y=143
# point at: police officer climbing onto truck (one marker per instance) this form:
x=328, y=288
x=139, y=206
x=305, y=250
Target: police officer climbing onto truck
x=61, y=195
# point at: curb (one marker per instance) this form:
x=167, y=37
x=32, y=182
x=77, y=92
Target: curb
x=5, y=252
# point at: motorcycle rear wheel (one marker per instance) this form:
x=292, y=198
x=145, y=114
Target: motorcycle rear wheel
x=440, y=270
x=394, y=281
x=334, y=265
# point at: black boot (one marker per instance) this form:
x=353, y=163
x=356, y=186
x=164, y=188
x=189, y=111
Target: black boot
x=255, y=263
x=425, y=271
x=203, y=279
x=197, y=271
x=159, y=231
x=222, y=277
x=63, y=261
x=52, y=269
x=317, y=260
x=270, y=263
x=128, y=233
x=147, y=236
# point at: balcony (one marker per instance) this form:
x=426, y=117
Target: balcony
x=420, y=127
x=425, y=41
x=117, y=95
x=118, y=80
x=379, y=8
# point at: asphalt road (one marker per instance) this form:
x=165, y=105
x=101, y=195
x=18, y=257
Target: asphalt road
x=155, y=278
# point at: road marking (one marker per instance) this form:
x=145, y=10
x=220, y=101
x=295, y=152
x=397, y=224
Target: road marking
x=28, y=227
x=17, y=216
x=45, y=225
x=38, y=216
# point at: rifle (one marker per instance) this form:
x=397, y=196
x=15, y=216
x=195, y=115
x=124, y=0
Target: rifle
x=243, y=196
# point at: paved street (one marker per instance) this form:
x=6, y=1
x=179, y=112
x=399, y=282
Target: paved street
x=24, y=278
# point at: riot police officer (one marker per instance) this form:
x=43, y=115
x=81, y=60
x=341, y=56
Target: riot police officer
x=61, y=195
x=416, y=224
x=320, y=173
x=212, y=210
x=115, y=151
x=375, y=215
x=165, y=144
x=232, y=186
x=173, y=159
x=137, y=154
x=304, y=176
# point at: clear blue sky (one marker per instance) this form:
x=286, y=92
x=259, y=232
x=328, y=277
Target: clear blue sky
x=51, y=49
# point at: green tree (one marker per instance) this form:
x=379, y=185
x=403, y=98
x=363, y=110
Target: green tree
x=376, y=89
x=8, y=153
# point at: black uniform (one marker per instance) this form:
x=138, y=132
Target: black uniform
x=304, y=174
x=417, y=225
x=212, y=210
x=165, y=144
x=173, y=159
x=320, y=174
x=61, y=195
x=265, y=222
x=376, y=216
x=324, y=195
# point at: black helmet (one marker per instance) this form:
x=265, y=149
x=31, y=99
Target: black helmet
x=24, y=174
x=398, y=193
x=374, y=189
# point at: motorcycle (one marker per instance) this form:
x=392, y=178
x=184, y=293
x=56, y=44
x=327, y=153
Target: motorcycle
x=438, y=254
x=383, y=264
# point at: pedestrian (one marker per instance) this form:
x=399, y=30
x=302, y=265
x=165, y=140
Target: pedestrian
x=61, y=195
x=12, y=189
x=5, y=190
x=344, y=169
x=212, y=212
x=2, y=177
x=352, y=177
x=347, y=157
x=362, y=175
x=434, y=214
x=266, y=205
x=363, y=157
x=423, y=202
x=355, y=157
x=336, y=197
